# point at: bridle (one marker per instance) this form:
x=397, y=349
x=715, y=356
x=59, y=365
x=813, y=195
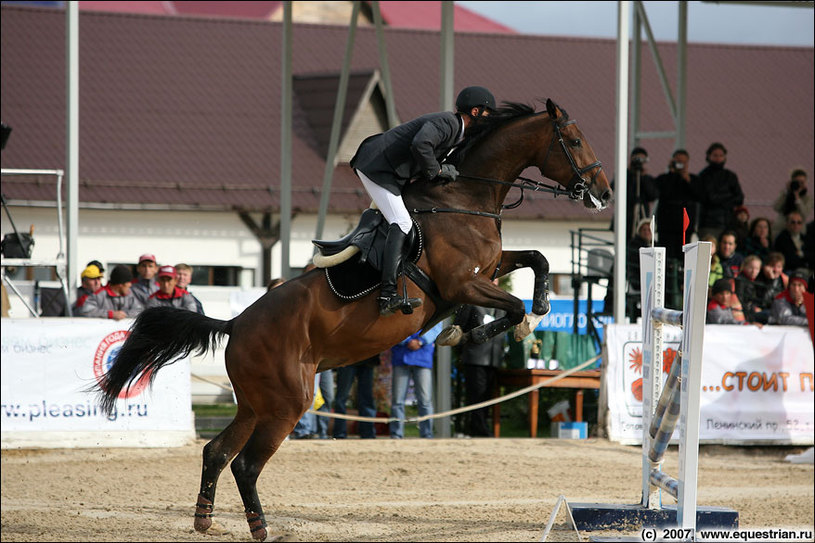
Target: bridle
x=576, y=190
x=577, y=185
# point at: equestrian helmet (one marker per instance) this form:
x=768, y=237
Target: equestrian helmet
x=471, y=97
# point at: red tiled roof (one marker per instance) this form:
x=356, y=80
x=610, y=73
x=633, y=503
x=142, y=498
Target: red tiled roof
x=427, y=15
x=185, y=112
x=397, y=14
x=152, y=8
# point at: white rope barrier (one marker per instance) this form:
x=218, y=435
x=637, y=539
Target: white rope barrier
x=457, y=411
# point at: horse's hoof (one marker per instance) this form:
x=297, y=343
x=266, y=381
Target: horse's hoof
x=526, y=326
x=203, y=514
x=202, y=524
x=450, y=336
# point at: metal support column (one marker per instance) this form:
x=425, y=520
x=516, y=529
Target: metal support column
x=623, y=11
x=681, y=79
x=285, y=145
x=72, y=145
x=443, y=354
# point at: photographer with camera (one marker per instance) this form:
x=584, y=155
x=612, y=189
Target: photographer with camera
x=794, y=197
x=640, y=192
x=720, y=192
x=678, y=191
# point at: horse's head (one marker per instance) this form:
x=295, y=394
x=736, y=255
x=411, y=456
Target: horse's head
x=570, y=160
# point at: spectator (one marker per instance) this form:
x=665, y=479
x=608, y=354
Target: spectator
x=642, y=238
x=790, y=243
x=728, y=256
x=740, y=225
x=481, y=363
x=716, y=271
x=770, y=278
x=116, y=301
x=184, y=274
x=327, y=392
x=809, y=243
x=723, y=307
x=91, y=282
x=363, y=372
x=678, y=192
x=169, y=293
x=720, y=192
x=751, y=292
x=788, y=307
x=794, y=197
x=307, y=427
x=412, y=359
x=641, y=193
x=145, y=284
x=760, y=241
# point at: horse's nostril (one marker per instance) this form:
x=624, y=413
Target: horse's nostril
x=606, y=196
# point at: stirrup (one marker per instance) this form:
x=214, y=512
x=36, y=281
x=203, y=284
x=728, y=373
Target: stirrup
x=389, y=304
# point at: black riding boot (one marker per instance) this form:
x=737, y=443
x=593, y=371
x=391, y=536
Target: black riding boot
x=389, y=300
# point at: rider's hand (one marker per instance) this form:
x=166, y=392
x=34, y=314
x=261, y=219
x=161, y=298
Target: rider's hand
x=447, y=173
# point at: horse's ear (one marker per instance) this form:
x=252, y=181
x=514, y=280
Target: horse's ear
x=553, y=109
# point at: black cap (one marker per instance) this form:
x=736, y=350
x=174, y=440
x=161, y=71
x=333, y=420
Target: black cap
x=120, y=275
x=722, y=285
x=471, y=97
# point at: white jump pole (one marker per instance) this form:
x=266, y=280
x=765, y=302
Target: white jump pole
x=658, y=406
x=662, y=409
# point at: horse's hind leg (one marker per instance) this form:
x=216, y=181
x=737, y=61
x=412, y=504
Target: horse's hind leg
x=270, y=431
x=217, y=454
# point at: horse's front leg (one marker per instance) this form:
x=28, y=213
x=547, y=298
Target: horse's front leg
x=482, y=292
x=513, y=260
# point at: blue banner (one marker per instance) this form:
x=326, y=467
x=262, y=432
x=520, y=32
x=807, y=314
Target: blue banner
x=561, y=317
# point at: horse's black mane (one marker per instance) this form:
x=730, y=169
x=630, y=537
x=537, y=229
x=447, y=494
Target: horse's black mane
x=508, y=112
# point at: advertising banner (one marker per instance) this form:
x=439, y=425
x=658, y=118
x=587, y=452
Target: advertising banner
x=757, y=384
x=561, y=317
x=47, y=367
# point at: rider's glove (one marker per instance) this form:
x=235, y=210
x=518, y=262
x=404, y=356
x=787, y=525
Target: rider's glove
x=447, y=173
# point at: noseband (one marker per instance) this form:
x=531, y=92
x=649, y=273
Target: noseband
x=578, y=185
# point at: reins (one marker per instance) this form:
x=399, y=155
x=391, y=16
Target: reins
x=577, y=189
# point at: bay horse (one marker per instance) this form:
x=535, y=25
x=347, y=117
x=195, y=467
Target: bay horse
x=278, y=344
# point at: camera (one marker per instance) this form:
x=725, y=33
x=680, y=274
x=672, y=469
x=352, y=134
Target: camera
x=679, y=166
x=795, y=185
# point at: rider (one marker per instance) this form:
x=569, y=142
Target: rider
x=385, y=162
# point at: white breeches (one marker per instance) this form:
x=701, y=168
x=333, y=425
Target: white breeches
x=391, y=205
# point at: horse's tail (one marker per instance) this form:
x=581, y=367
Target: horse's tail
x=159, y=337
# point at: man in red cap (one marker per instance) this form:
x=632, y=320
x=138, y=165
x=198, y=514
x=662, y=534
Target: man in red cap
x=169, y=293
x=145, y=284
x=788, y=307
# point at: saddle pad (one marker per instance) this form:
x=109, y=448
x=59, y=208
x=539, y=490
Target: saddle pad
x=351, y=280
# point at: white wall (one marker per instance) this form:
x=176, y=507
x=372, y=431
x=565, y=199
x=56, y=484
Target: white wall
x=221, y=239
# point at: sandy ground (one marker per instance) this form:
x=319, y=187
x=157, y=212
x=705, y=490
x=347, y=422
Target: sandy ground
x=382, y=490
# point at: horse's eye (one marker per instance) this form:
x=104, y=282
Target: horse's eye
x=577, y=143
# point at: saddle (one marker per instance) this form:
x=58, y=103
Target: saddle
x=352, y=277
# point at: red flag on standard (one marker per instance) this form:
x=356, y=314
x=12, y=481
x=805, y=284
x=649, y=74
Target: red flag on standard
x=685, y=223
